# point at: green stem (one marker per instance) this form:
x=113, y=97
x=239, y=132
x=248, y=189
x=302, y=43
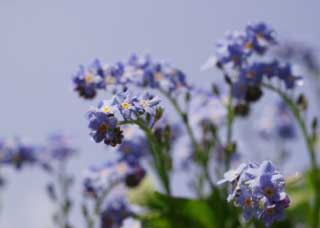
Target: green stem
x=311, y=149
x=159, y=158
x=64, y=207
x=190, y=132
x=183, y=116
x=230, y=121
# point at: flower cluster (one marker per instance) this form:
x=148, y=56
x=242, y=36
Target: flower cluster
x=259, y=191
x=138, y=71
x=239, y=51
x=104, y=122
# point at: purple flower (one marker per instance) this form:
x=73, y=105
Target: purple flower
x=133, y=150
x=19, y=153
x=126, y=104
x=147, y=103
x=60, y=147
x=259, y=36
x=115, y=213
x=232, y=51
x=103, y=126
x=272, y=212
x=87, y=81
x=248, y=202
x=285, y=74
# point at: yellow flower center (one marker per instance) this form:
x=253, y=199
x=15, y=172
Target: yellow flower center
x=144, y=103
x=88, y=77
x=110, y=80
x=270, y=210
x=103, y=128
x=268, y=191
x=121, y=167
x=248, y=202
x=158, y=76
x=249, y=45
x=259, y=36
x=106, y=108
x=125, y=105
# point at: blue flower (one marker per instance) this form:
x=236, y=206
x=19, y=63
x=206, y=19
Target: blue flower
x=126, y=104
x=103, y=127
x=147, y=103
x=259, y=36
x=270, y=186
x=60, y=147
x=270, y=69
x=248, y=202
x=115, y=213
x=233, y=174
x=285, y=73
x=272, y=212
x=19, y=153
x=133, y=150
x=240, y=88
x=285, y=124
x=87, y=81
x=259, y=191
x=231, y=50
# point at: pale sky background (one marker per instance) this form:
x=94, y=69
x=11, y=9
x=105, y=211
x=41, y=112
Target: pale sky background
x=43, y=42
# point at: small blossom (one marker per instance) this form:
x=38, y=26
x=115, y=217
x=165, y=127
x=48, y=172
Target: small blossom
x=126, y=104
x=259, y=36
x=87, y=82
x=18, y=153
x=60, y=147
x=147, y=103
x=231, y=50
x=115, y=213
x=285, y=74
x=259, y=191
x=103, y=127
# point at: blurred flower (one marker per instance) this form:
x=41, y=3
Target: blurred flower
x=279, y=123
x=284, y=120
x=60, y=146
x=259, y=36
x=299, y=52
x=99, y=178
x=17, y=152
x=133, y=150
x=285, y=73
x=232, y=50
x=114, y=214
x=87, y=81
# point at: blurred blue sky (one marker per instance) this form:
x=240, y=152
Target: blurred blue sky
x=43, y=42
